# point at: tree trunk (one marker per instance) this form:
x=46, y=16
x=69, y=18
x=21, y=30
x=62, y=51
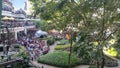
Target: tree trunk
x=103, y=61
x=97, y=64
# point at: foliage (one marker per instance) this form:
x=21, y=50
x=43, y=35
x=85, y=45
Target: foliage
x=97, y=19
x=110, y=62
x=112, y=52
x=117, y=44
x=43, y=25
x=92, y=66
x=58, y=58
x=50, y=40
x=37, y=24
x=58, y=38
x=23, y=54
x=84, y=49
x=62, y=47
x=17, y=46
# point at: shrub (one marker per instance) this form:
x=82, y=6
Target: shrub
x=58, y=58
x=50, y=40
x=23, y=53
x=58, y=38
x=112, y=52
x=62, y=47
x=110, y=62
x=17, y=46
x=92, y=66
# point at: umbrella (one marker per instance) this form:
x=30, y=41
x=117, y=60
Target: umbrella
x=11, y=18
x=8, y=18
x=40, y=33
x=5, y=18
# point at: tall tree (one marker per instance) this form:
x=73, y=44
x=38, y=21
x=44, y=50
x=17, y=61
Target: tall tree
x=97, y=19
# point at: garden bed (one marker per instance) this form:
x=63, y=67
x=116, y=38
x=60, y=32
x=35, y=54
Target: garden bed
x=59, y=58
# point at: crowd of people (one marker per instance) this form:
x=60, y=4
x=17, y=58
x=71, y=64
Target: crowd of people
x=33, y=46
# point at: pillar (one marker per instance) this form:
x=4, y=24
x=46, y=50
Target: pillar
x=16, y=35
x=25, y=30
x=0, y=13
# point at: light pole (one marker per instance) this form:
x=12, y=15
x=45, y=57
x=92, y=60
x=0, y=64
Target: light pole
x=69, y=61
x=71, y=43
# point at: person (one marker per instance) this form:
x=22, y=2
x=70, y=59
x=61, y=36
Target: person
x=40, y=52
x=32, y=56
x=45, y=49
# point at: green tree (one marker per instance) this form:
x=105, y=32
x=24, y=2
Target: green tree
x=43, y=25
x=96, y=18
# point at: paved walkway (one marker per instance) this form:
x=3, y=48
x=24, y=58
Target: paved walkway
x=52, y=47
x=39, y=65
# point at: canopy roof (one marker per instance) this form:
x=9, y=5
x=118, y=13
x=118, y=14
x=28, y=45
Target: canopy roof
x=40, y=33
x=8, y=18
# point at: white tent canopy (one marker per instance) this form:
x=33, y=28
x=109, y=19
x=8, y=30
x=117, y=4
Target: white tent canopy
x=40, y=33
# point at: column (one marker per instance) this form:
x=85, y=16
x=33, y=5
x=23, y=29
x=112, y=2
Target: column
x=0, y=13
x=25, y=30
x=16, y=35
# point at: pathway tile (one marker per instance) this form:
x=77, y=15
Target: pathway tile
x=44, y=65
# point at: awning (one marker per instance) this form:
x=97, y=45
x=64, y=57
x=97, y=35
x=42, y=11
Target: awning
x=8, y=18
x=40, y=33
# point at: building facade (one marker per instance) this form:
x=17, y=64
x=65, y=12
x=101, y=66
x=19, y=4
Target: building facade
x=14, y=20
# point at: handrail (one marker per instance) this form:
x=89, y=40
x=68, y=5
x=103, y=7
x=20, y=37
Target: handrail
x=105, y=53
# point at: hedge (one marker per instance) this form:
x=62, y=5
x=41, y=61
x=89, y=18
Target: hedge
x=62, y=47
x=92, y=66
x=17, y=46
x=58, y=58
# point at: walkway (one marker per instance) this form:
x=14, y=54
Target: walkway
x=52, y=47
x=39, y=65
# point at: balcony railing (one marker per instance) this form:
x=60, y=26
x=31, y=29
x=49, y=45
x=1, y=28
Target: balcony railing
x=8, y=13
x=16, y=29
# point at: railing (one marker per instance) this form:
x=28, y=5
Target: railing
x=8, y=13
x=11, y=62
x=13, y=29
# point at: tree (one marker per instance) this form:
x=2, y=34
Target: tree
x=43, y=25
x=96, y=18
x=100, y=17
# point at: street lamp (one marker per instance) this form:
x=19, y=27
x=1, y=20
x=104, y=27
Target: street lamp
x=70, y=37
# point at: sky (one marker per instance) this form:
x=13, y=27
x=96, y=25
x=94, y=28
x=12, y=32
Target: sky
x=18, y=3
